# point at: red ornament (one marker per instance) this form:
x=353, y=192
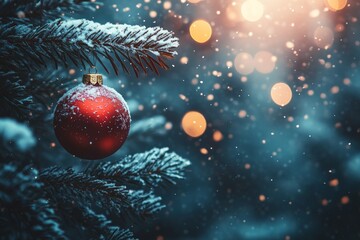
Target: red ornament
x=92, y=121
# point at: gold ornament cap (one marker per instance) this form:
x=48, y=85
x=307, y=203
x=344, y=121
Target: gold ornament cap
x=93, y=79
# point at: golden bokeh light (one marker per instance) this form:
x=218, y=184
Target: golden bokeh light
x=252, y=10
x=194, y=1
x=334, y=182
x=336, y=5
x=264, y=62
x=244, y=63
x=281, y=94
x=153, y=14
x=262, y=198
x=184, y=60
x=194, y=124
x=242, y=113
x=201, y=31
x=217, y=136
x=323, y=37
x=233, y=12
x=345, y=200
x=204, y=151
x=167, y=5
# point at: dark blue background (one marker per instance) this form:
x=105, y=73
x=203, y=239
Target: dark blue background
x=220, y=198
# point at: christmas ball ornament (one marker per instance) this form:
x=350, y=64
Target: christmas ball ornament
x=92, y=121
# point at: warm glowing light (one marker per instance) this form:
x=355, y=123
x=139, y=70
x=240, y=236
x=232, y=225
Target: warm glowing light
x=334, y=182
x=252, y=10
x=210, y=97
x=194, y=1
x=194, y=124
x=336, y=5
x=242, y=113
x=345, y=200
x=153, y=14
x=335, y=90
x=323, y=37
x=233, y=12
x=262, y=198
x=314, y=13
x=290, y=45
x=200, y=31
x=167, y=5
x=244, y=63
x=72, y=71
x=204, y=151
x=184, y=60
x=281, y=94
x=168, y=126
x=217, y=136
x=347, y=81
x=264, y=62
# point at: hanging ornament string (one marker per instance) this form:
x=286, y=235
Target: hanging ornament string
x=92, y=67
x=93, y=61
x=93, y=78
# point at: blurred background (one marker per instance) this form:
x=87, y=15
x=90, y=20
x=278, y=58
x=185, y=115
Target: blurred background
x=263, y=99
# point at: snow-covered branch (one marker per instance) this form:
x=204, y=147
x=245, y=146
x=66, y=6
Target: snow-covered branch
x=19, y=134
x=145, y=169
x=83, y=188
x=80, y=41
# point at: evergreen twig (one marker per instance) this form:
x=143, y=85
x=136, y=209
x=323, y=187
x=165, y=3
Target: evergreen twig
x=150, y=168
x=91, y=225
x=77, y=41
x=80, y=186
x=25, y=214
x=14, y=99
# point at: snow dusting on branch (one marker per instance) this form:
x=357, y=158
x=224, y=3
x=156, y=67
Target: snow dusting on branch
x=79, y=41
x=14, y=132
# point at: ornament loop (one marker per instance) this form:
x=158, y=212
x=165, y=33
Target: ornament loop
x=93, y=67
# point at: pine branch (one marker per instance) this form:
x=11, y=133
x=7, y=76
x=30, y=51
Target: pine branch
x=100, y=227
x=33, y=9
x=152, y=126
x=25, y=215
x=16, y=136
x=67, y=182
x=144, y=132
x=23, y=181
x=46, y=225
x=20, y=95
x=145, y=169
x=77, y=41
x=47, y=87
x=14, y=99
x=35, y=221
x=86, y=224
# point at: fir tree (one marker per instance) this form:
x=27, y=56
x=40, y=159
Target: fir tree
x=40, y=198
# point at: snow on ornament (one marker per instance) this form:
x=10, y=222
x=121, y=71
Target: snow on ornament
x=92, y=121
